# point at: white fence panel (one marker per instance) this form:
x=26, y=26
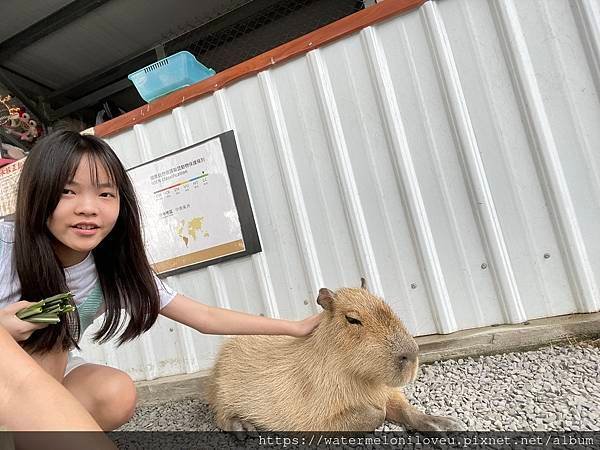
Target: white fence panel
x=450, y=155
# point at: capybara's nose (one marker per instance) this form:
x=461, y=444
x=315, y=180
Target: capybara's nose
x=408, y=357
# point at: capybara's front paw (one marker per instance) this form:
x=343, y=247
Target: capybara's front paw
x=235, y=424
x=372, y=418
x=438, y=423
x=243, y=425
x=242, y=429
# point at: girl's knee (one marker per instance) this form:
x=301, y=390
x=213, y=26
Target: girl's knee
x=118, y=395
x=108, y=394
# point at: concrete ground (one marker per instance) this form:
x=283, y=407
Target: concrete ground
x=176, y=403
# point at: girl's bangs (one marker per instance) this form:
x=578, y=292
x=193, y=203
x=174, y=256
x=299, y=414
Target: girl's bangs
x=95, y=157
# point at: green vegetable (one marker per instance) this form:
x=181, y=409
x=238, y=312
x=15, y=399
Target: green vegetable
x=48, y=310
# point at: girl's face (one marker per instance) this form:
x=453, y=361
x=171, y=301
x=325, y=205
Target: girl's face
x=85, y=214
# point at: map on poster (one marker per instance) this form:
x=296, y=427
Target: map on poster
x=188, y=209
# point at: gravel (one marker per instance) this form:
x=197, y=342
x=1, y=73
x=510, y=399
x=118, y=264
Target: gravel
x=552, y=389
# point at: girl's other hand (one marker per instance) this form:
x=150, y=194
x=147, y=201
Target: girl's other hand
x=19, y=329
x=306, y=326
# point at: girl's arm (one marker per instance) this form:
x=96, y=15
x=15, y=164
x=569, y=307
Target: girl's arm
x=210, y=320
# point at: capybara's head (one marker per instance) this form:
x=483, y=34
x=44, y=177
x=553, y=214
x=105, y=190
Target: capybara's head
x=370, y=340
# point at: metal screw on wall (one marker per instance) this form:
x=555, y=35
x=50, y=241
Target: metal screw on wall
x=546, y=255
x=484, y=266
x=413, y=285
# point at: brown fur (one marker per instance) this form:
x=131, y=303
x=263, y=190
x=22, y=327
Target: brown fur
x=342, y=377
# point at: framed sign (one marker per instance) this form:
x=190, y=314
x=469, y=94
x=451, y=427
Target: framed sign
x=9, y=183
x=195, y=206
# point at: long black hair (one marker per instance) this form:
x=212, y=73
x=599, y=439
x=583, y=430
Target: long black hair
x=126, y=278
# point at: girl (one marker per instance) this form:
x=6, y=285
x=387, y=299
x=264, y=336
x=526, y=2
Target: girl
x=77, y=228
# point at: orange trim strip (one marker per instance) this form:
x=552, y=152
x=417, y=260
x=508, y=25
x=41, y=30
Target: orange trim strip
x=303, y=44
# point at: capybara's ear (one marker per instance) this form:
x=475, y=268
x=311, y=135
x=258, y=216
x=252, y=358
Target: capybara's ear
x=325, y=299
x=363, y=284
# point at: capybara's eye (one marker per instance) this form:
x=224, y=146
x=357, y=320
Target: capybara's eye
x=353, y=321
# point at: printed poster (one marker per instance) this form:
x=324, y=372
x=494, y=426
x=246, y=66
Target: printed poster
x=9, y=183
x=188, y=207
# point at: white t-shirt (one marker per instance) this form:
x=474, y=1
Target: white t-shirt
x=81, y=278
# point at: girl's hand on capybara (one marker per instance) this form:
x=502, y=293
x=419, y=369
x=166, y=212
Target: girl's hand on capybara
x=306, y=326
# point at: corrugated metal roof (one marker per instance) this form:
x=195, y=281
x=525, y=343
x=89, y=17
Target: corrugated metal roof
x=114, y=31
x=17, y=15
x=71, y=60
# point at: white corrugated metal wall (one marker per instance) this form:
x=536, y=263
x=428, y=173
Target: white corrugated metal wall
x=450, y=155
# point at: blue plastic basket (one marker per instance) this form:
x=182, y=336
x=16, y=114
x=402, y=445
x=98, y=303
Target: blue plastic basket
x=168, y=75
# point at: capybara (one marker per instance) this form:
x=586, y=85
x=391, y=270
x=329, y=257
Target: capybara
x=345, y=376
